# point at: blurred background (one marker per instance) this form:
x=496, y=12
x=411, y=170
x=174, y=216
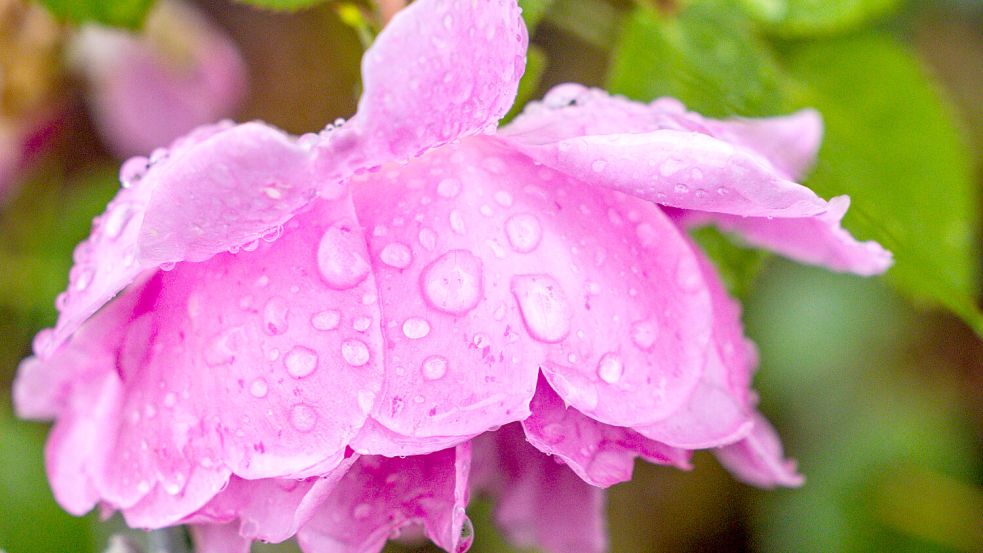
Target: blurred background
x=875, y=385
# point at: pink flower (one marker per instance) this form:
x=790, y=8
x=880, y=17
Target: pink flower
x=148, y=89
x=296, y=316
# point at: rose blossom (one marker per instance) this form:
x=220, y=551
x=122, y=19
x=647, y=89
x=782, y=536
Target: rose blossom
x=317, y=336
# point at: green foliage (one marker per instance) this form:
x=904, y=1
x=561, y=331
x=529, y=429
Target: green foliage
x=816, y=17
x=896, y=154
x=128, y=14
x=282, y=5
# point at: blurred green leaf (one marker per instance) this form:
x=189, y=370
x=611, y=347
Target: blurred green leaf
x=737, y=266
x=116, y=13
x=815, y=17
x=533, y=12
x=595, y=22
x=282, y=5
x=892, y=146
x=706, y=55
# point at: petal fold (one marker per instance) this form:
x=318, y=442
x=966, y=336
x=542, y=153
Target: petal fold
x=758, y=459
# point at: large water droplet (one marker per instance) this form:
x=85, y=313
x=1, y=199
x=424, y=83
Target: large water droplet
x=275, y=316
x=300, y=361
x=644, y=334
x=339, y=257
x=396, y=255
x=302, y=417
x=259, y=388
x=415, y=328
x=544, y=307
x=453, y=282
x=524, y=232
x=610, y=368
x=467, y=535
x=434, y=367
x=355, y=352
x=326, y=320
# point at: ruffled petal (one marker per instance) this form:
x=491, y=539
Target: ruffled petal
x=758, y=459
x=441, y=69
x=490, y=267
x=271, y=509
x=232, y=188
x=539, y=503
x=218, y=538
x=600, y=454
x=380, y=495
x=819, y=240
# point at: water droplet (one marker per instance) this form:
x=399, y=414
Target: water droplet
x=116, y=220
x=133, y=170
x=355, y=352
x=453, y=282
x=302, y=417
x=524, y=232
x=275, y=316
x=610, y=368
x=467, y=535
x=434, y=367
x=688, y=275
x=544, y=307
x=361, y=511
x=681, y=189
x=339, y=257
x=644, y=334
x=599, y=165
x=259, y=388
x=300, y=361
x=83, y=278
x=326, y=320
x=448, y=188
x=415, y=328
x=361, y=324
x=428, y=239
x=503, y=198
x=221, y=349
x=396, y=255
x=457, y=222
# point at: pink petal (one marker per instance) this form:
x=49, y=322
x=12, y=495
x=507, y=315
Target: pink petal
x=758, y=459
x=144, y=95
x=600, y=454
x=664, y=154
x=108, y=260
x=218, y=538
x=232, y=188
x=271, y=509
x=719, y=411
x=490, y=267
x=539, y=502
x=379, y=496
x=819, y=240
x=441, y=70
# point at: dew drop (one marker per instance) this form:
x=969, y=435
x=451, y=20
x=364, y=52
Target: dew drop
x=644, y=334
x=434, y=367
x=396, y=255
x=428, y=239
x=544, y=307
x=326, y=320
x=339, y=257
x=524, y=232
x=457, y=222
x=503, y=198
x=415, y=328
x=453, y=282
x=300, y=361
x=355, y=352
x=275, y=316
x=259, y=388
x=610, y=368
x=302, y=417
x=681, y=189
x=448, y=188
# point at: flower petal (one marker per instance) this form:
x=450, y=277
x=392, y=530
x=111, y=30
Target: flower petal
x=380, y=495
x=218, y=538
x=441, y=70
x=819, y=240
x=758, y=460
x=489, y=267
x=232, y=188
x=539, y=502
x=602, y=455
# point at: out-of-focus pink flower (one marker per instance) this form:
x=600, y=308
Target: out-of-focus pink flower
x=148, y=89
x=318, y=336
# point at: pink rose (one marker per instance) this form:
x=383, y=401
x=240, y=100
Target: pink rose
x=316, y=336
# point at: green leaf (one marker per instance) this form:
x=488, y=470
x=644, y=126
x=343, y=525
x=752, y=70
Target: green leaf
x=116, y=13
x=815, y=17
x=595, y=22
x=282, y=5
x=533, y=12
x=737, y=266
x=707, y=56
x=892, y=146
